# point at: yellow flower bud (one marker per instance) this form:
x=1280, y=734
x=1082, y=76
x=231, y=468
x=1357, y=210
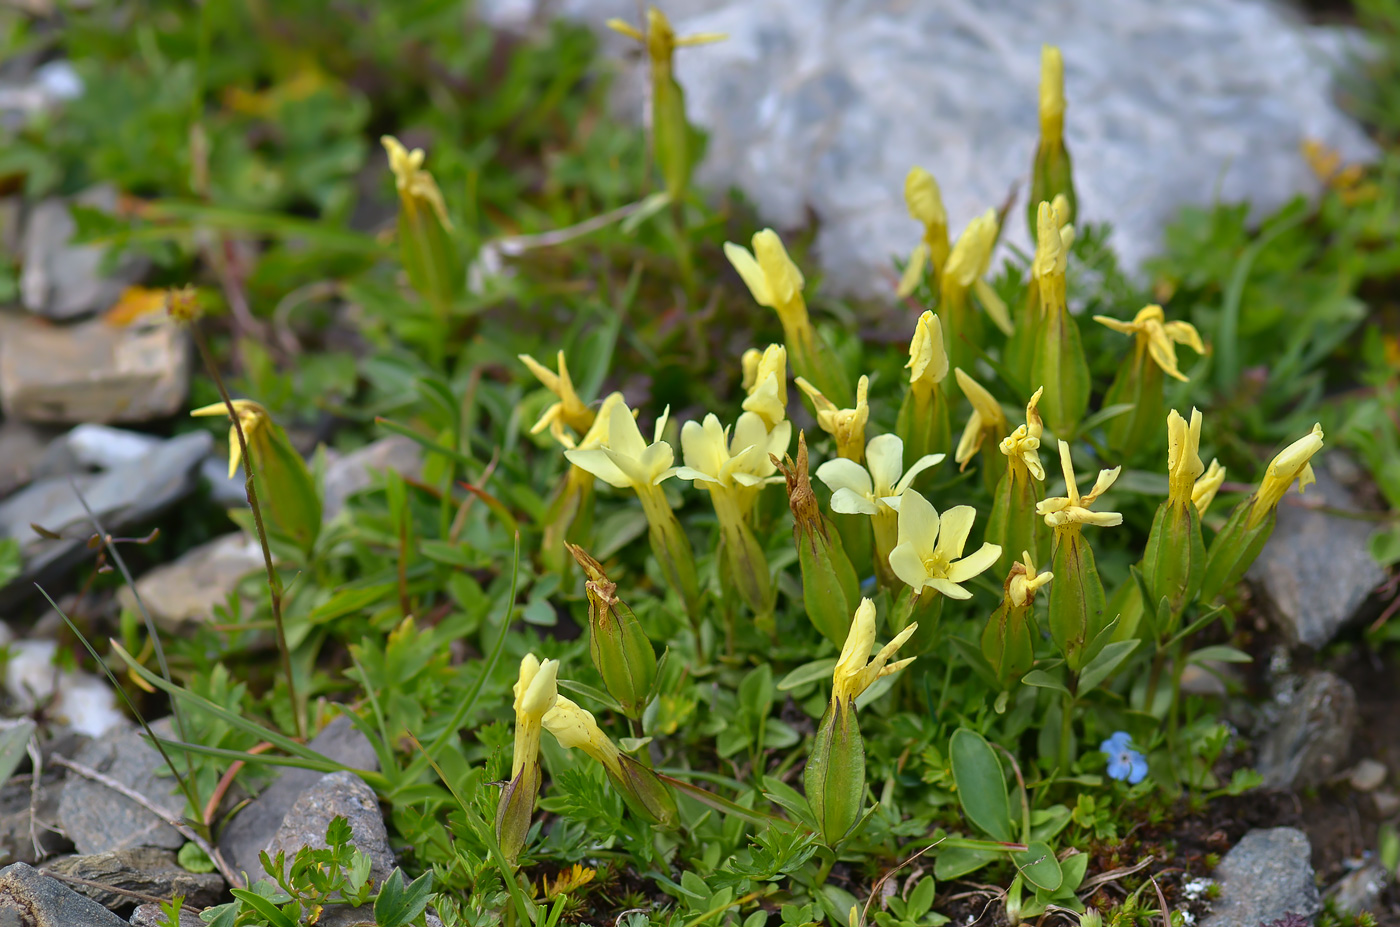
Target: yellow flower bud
x=1183, y=454
x=847, y=426
x=856, y=670
x=415, y=185
x=1203, y=493
x=1292, y=463
x=1023, y=444
x=928, y=362
x=1024, y=582
x=767, y=388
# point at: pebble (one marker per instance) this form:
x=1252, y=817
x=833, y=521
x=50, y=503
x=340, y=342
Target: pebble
x=22, y=446
x=28, y=898
x=75, y=698
x=98, y=819
x=187, y=590
x=66, y=281
x=1368, y=775
x=1387, y=802
x=93, y=371
x=16, y=838
x=337, y=794
x=1309, y=742
x=147, y=870
x=150, y=915
x=1360, y=889
x=1266, y=875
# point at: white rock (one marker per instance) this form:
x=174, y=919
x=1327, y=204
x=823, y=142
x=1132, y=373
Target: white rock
x=79, y=699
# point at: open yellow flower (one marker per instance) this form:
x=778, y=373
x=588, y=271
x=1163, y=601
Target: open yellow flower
x=856, y=489
x=1073, y=509
x=536, y=691
x=929, y=554
x=1184, y=464
x=253, y=419
x=1203, y=493
x=847, y=426
x=415, y=185
x=625, y=459
x=569, y=412
x=576, y=728
x=928, y=362
x=987, y=421
x=968, y=263
x=1025, y=581
x=770, y=275
x=1023, y=444
x=712, y=457
x=856, y=670
x=1158, y=337
x=660, y=39
x=925, y=202
x=1292, y=463
x=767, y=387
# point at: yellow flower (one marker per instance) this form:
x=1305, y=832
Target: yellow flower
x=1183, y=454
x=1025, y=581
x=1203, y=493
x=987, y=419
x=536, y=691
x=414, y=184
x=925, y=202
x=712, y=458
x=625, y=459
x=597, y=434
x=856, y=670
x=969, y=262
x=929, y=554
x=1292, y=463
x=1052, y=95
x=928, y=362
x=767, y=387
x=1024, y=443
x=1158, y=337
x=569, y=412
x=854, y=489
x=1074, y=508
x=770, y=274
x=575, y=727
x=251, y=416
x=847, y=426
x=1054, y=238
x=660, y=39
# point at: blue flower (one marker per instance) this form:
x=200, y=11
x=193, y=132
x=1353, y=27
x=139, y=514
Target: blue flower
x=1124, y=763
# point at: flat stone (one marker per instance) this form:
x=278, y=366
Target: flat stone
x=257, y=822
x=77, y=699
x=360, y=469
x=16, y=838
x=127, y=497
x=150, y=915
x=337, y=794
x=28, y=898
x=1309, y=742
x=824, y=105
x=1266, y=875
x=65, y=281
x=187, y=590
x=98, y=819
x=1360, y=890
x=1368, y=775
x=1316, y=572
x=147, y=870
x=93, y=371
x=22, y=447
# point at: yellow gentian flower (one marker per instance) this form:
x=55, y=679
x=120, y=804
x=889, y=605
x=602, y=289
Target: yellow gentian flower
x=660, y=39
x=847, y=426
x=856, y=670
x=928, y=362
x=929, y=554
x=1292, y=463
x=1203, y=493
x=878, y=489
x=1023, y=444
x=1158, y=337
x=536, y=692
x=569, y=412
x=251, y=416
x=767, y=387
x=1184, y=464
x=1074, y=508
x=925, y=203
x=770, y=275
x=1025, y=581
x=987, y=421
x=415, y=185
x=625, y=459
x=968, y=263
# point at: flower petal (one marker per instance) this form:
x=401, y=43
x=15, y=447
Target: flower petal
x=694, y=475
x=624, y=436
x=848, y=502
x=747, y=266
x=841, y=473
x=596, y=461
x=951, y=589
x=960, y=571
x=953, y=532
x=884, y=455
x=919, y=522
x=908, y=566
x=919, y=466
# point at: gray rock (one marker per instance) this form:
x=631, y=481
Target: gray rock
x=93, y=371
x=102, y=447
x=826, y=104
x=255, y=825
x=226, y=491
x=1317, y=571
x=187, y=590
x=125, y=497
x=1360, y=890
x=150, y=915
x=16, y=838
x=1310, y=739
x=337, y=794
x=28, y=898
x=1266, y=875
x=1387, y=803
x=99, y=820
x=65, y=281
x=22, y=447
x=147, y=870
x=1368, y=775
x=359, y=470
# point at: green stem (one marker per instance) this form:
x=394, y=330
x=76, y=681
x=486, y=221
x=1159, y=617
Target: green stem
x=1066, y=732
x=824, y=870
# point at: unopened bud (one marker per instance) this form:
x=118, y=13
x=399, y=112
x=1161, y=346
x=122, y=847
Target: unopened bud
x=621, y=651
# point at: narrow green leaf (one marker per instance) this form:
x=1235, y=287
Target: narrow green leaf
x=1103, y=665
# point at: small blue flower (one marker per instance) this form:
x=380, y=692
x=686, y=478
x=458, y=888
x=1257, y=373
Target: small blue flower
x=1124, y=763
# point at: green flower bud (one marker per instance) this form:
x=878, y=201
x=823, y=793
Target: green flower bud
x=1052, y=172
x=1013, y=524
x=1008, y=641
x=425, y=245
x=1057, y=355
x=620, y=649
x=1174, y=562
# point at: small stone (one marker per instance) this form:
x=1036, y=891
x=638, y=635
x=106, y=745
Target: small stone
x=337, y=794
x=1316, y=572
x=28, y=898
x=1387, y=803
x=187, y=590
x=98, y=819
x=359, y=470
x=102, y=447
x=147, y=870
x=93, y=371
x=22, y=446
x=1266, y=875
x=1359, y=890
x=150, y=915
x=228, y=492
x=1368, y=775
x=255, y=824
x=1311, y=739
x=76, y=698
x=65, y=281
x=16, y=837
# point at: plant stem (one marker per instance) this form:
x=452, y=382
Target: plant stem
x=1066, y=731
x=274, y=583
x=828, y=860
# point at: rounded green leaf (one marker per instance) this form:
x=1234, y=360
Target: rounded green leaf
x=981, y=785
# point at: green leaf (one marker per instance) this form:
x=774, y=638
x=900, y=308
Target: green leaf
x=1038, y=864
x=955, y=862
x=269, y=911
x=1219, y=653
x=1103, y=665
x=14, y=745
x=399, y=908
x=815, y=671
x=11, y=562
x=1043, y=680
x=981, y=784
x=589, y=692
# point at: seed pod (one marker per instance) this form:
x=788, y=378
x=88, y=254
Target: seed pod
x=1078, y=605
x=620, y=648
x=1008, y=641
x=647, y=796
x=516, y=809
x=835, y=773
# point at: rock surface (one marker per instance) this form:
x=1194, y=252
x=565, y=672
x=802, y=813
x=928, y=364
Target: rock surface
x=92, y=371
x=150, y=915
x=1360, y=890
x=188, y=589
x=22, y=447
x=99, y=820
x=16, y=838
x=337, y=794
x=65, y=281
x=826, y=104
x=76, y=698
x=359, y=469
x=28, y=898
x=147, y=870
x=255, y=825
x=1266, y=875
x=1310, y=740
